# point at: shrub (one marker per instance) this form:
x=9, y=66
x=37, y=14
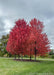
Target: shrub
x=44, y=56
x=52, y=56
x=26, y=56
x=51, y=52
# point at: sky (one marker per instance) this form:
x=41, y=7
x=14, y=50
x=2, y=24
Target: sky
x=12, y=10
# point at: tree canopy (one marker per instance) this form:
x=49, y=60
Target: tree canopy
x=24, y=38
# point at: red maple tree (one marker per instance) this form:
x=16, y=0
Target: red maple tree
x=18, y=38
x=28, y=39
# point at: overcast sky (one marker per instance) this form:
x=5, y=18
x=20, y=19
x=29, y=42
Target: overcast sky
x=12, y=10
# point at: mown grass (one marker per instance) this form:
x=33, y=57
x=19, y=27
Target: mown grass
x=11, y=67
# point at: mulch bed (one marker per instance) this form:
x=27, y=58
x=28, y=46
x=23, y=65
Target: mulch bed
x=27, y=60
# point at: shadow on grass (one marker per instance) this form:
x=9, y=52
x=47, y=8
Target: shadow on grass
x=28, y=60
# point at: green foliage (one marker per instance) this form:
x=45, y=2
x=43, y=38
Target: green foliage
x=52, y=56
x=45, y=56
x=3, y=43
x=1, y=54
x=0, y=44
x=51, y=52
x=26, y=56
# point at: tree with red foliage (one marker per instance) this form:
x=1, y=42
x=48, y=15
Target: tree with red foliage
x=18, y=38
x=38, y=40
x=28, y=39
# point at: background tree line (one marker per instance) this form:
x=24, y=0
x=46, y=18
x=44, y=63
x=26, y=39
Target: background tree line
x=3, y=43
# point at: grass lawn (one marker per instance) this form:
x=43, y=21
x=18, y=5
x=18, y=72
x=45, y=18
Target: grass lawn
x=11, y=67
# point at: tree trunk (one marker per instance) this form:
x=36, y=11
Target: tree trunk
x=30, y=53
x=15, y=56
x=18, y=56
x=35, y=57
x=35, y=50
x=22, y=57
x=30, y=57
